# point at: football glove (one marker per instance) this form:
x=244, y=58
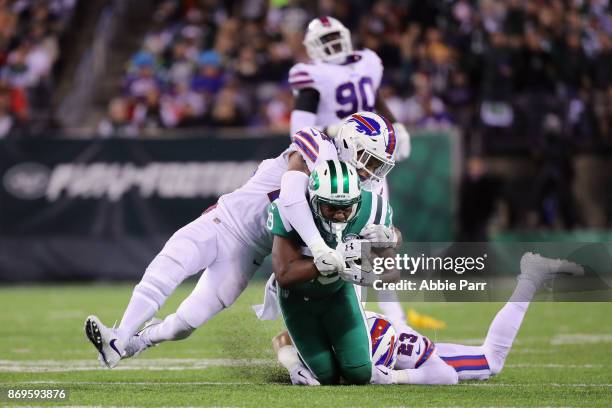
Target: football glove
x=327, y=261
x=354, y=249
x=333, y=129
x=379, y=235
x=300, y=375
x=403, y=147
x=359, y=273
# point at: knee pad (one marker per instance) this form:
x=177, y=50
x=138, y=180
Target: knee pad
x=358, y=375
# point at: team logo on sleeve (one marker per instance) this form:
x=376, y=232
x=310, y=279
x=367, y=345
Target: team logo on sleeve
x=365, y=125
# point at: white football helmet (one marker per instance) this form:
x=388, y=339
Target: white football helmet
x=367, y=141
x=328, y=40
x=384, y=340
x=334, y=183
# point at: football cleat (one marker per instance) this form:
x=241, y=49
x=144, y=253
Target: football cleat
x=140, y=341
x=301, y=375
x=105, y=340
x=541, y=270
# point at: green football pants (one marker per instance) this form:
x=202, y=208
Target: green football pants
x=330, y=334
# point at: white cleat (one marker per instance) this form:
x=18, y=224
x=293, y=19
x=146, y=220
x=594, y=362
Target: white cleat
x=300, y=375
x=105, y=340
x=541, y=270
x=140, y=341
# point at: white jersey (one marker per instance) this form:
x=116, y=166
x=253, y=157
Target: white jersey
x=413, y=349
x=244, y=211
x=343, y=88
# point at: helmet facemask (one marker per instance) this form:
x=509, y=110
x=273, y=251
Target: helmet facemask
x=336, y=184
x=329, y=44
x=377, y=167
x=371, y=155
x=333, y=226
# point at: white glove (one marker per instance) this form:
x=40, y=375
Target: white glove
x=379, y=235
x=353, y=249
x=300, y=375
x=402, y=149
x=327, y=261
x=333, y=129
x=359, y=273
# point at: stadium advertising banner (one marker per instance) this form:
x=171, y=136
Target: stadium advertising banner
x=78, y=209
x=101, y=209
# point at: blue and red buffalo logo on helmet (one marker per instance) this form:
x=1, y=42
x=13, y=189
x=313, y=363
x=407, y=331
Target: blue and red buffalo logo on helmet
x=365, y=125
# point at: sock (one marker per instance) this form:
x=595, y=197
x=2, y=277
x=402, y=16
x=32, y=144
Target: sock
x=525, y=290
x=160, y=279
x=288, y=357
x=172, y=328
x=139, y=310
x=502, y=332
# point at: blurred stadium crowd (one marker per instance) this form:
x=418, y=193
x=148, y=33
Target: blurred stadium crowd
x=521, y=76
x=29, y=47
x=514, y=68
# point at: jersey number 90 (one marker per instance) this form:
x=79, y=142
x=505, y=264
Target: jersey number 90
x=353, y=98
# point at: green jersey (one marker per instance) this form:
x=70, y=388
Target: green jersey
x=373, y=209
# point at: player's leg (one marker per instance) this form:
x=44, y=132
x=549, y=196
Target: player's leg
x=489, y=359
x=289, y=358
x=390, y=306
x=188, y=251
x=218, y=288
x=346, y=327
x=309, y=338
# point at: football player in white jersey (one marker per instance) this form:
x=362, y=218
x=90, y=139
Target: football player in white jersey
x=230, y=240
x=336, y=83
x=408, y=357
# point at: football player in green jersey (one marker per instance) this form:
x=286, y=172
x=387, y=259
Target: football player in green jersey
x=322, y=311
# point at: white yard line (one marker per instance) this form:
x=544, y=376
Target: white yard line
x=178, y=364
x=149, y=383
x=580, y=338
x=160, y=364
x=551, y=365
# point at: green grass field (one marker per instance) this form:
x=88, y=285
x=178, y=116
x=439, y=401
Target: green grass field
x=562, y=357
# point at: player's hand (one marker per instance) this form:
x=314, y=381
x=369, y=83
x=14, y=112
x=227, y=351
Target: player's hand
x=333, y=129
x=379, y=235
x=403, y=148
x=300, y=375
x=359, y=273
x=327, y=261
x=353, y=249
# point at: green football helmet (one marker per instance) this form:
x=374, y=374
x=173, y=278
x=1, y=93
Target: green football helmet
x=335, y=183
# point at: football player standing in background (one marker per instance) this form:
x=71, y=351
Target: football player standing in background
x=337, y=83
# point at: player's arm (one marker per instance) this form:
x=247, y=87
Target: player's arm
x=402, y=151
x=289, y=265
x=294, y=187
x=304, y=113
